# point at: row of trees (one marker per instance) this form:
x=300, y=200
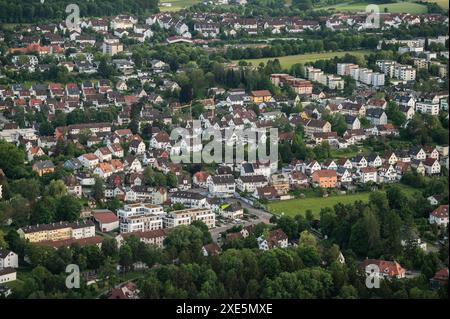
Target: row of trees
x=33, y=11
x=332, y=42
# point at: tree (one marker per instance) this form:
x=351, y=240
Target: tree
x=11, y=160
x=44, y=211
x=302, y=4
x=108, y=272
x=307, y=239
x=184, y=243
x=29, y=188
x=98, y=190
x=172, y=181
x=68, y=209
x=56, y=188
x=394, y=113
x=365, y=234
x=109, y=248
x=125, y=257
x=3, y=243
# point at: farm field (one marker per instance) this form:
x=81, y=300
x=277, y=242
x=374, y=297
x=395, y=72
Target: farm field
x=399, y=7
x=176, y=5
x=289, y=60
x=315, y=204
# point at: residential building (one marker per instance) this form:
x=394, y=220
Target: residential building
x=140, y=217
x=221, y=185
x=275, y=238
x=249, y=183
x=188, y=199
x=57, y=231
x=106, y=220
x=325, y=178
x=187, y=216
x=386, y=269
x=8, y=259
x=439, y=216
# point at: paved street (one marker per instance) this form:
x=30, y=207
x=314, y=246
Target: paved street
x=262, y=217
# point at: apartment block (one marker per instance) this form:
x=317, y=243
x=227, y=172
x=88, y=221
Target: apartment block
x=187, y=216
x=140, y=217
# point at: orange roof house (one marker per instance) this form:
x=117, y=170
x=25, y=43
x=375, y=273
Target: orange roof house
x=389, y=269
x=325, y=178
x=261, y=96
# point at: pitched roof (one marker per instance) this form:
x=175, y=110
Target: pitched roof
x=441, y=212
x=104, y=216
x=390, y=268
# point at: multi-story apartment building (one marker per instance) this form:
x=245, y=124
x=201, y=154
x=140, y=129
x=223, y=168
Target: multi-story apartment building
x=112, y=47
x=188, y=199
x=140, y=217
x=187, y=216
x=221, y=185
x=57, y=231
x=396, y=70
x=249, y=183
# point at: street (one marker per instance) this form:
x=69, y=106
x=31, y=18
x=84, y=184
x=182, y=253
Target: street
x=262, y=217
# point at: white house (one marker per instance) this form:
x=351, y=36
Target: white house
x=359, y=162
x=116, y=150
x=103, y=154
x=7, y=275
x=374, y=160
x=221, y=185
x=344, y=175
x=368, y=174
x=137, y=147
x=439, y=216
x=249, y=183
x=106, y=219
x=432, y=166
x=8, y=259
x=188, y=199
x=89, y=160
x=275, y=238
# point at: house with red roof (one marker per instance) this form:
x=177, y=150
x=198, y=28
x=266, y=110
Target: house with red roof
x=385, y=269
x=105, y=219
x=439, y=216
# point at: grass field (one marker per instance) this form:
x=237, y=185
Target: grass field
x=176, y=4
x=315, y=204
x=400, y=7
x=442, y=3
x=289, y=60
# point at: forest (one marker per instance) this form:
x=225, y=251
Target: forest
x=32, y=11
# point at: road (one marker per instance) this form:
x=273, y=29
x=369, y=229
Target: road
x=261, y=217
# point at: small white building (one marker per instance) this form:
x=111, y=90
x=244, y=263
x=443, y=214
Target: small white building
x=7, y=275
x=106, y=220
x=439, y=216
x=8, y=259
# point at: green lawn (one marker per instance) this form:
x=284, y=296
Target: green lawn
x=289, y=60
x=349, y=152
x=300, y=206
x=315, y=204
x=442, y=3
x=177, y=4
x=360, y=6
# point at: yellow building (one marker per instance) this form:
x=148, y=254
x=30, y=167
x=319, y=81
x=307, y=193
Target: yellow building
x=261, y=96
x=57, y=231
